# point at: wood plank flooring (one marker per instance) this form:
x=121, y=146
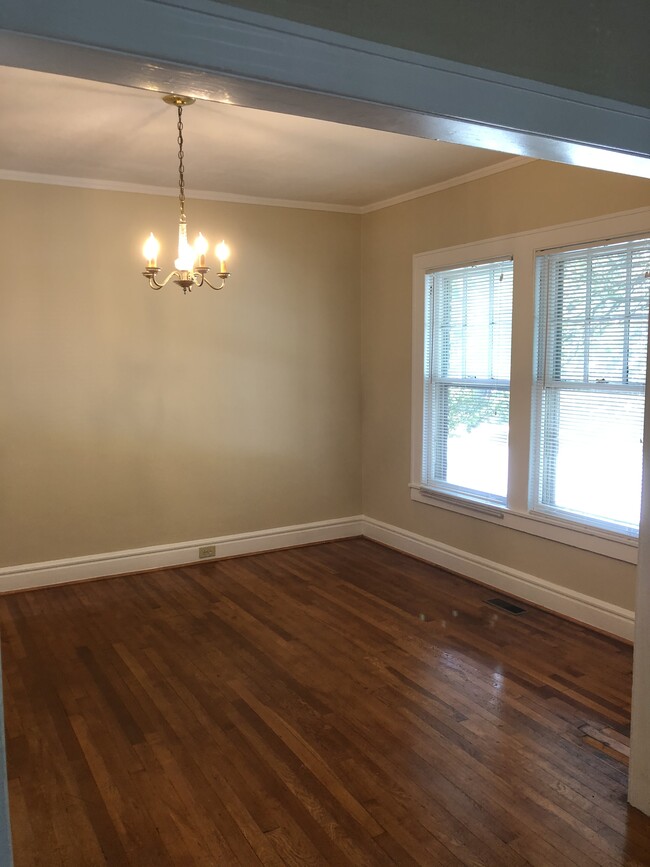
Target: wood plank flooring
x=293, y=708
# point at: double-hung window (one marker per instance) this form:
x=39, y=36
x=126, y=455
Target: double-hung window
x=589, y=391
x=468, y=322
x=558, y=455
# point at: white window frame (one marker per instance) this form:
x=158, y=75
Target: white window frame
x=440, y=486
x=551, y=386
x=523, y=247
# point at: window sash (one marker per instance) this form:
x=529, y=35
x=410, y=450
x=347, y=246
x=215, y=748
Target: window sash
x=436, y=450
x=621, y=360
x=447, y=313
x=626, y=288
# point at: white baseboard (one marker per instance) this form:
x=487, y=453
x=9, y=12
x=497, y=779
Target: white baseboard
x=586, y=609
x=34, y=575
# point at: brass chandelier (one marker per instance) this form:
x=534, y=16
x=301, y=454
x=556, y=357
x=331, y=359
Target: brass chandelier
x=188, y=273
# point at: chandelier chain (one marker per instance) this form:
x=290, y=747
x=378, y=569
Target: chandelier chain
x=190, y=268
x=181, y=166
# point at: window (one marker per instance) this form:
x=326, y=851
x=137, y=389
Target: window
x=528, y=389
x=468, y=320
x=593, y=331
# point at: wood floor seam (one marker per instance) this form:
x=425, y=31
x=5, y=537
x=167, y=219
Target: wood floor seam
x=338, y=704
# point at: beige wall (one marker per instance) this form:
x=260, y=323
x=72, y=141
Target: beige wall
x=130, y=417
x=530, y=196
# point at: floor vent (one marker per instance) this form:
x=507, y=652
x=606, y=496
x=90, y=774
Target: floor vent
x=504, y=605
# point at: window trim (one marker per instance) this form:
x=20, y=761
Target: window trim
x=523, y=247
x=550, y=385
x=433, y=382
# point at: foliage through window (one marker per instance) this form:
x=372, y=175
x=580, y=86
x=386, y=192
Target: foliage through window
x=589, y=402
x=468, y=321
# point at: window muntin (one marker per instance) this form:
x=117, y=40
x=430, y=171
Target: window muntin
x=468, y=324
x=587, y=435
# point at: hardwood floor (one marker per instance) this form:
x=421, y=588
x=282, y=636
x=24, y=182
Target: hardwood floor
x=293, y=708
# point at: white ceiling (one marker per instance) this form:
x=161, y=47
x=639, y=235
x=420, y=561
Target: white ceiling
x=72, y=128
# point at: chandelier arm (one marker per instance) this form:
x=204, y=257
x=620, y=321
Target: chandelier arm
x=191, y=275
x=154, y=284
x=216, y=288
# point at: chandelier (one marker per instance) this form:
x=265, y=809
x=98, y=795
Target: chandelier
x=188, y=273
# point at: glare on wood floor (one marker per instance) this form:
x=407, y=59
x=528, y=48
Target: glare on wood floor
x=295, y=708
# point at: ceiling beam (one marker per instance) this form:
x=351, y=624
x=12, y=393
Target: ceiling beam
x=231, y=55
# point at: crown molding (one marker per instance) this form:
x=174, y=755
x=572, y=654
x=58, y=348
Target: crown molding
x=466, y=178
x=150, y=190
x=143, y=189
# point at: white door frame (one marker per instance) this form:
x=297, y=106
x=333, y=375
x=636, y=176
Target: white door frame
x=224, y=53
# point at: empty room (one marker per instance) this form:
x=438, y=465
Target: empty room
x=323, y=532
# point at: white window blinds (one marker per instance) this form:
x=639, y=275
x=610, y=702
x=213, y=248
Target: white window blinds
x=593, y=327
x=468, y=323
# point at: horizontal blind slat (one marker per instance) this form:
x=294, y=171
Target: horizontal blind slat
x=591, y=380
x=468, y=321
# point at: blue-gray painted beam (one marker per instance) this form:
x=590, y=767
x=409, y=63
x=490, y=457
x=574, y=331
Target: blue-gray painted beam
x=225, y=53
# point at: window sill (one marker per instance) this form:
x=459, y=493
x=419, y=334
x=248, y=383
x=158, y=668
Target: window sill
x=602, y=542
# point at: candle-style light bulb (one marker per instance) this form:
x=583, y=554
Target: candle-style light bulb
x=201, y=248
x=185, y=261
x=150, y=250
x=222, y=252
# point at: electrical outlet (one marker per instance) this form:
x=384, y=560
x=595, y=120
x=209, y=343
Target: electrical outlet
x=207, y=551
